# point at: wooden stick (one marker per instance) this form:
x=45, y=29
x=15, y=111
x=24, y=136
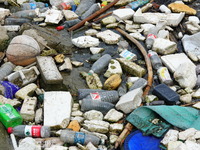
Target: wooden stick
x=129, y=126
x=78, y=25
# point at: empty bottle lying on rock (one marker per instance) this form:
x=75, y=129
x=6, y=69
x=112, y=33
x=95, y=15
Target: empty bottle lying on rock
x=73, y=137
x=30, y=131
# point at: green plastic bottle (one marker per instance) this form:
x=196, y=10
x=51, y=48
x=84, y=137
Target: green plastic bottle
x=9, y=116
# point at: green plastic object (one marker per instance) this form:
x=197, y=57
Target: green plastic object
x=157, y=120
x=9, y=116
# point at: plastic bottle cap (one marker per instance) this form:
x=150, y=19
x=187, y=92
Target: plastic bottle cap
x=60, y=28
x=10, y=130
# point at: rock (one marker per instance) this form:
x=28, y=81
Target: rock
x=173, y=61
x=187, y=98
x=114, y=67
x=57, y=108
x=108, y=20
x=85, y=41
x=184, y=135
x=26, y=91
x=173, y=145
x=3, y=13
x=77, y=63
x=77, y=113
x=69, y=15
x=93, y=81
x=131, y=67
x=66, y=65
x=112, y=26
x=194, y=19
x=197, y=105
x=74, y=125
x=75, y=107
x=164, y=46
x=185, y=75
x=49, y=70
x=78, y=118
x=116, y=128
x=123, y=14
x=137, y=36
x=73, y=148
x=59, y=58
x=133, y=28
x=130, y=101
x=150, y=98
x=96, y=126
x=13, y=102
x=182, y=147
x=93, y=115
x=178, y=7
x=91, y=32
x=113, y=138
x=27, y=110
x=197, y=135
x=12, y=28
x=109, y=37
x=112, y=82
x=56, y=147
x=39, y=116
x=96, y=26
x=113, y=116
x=146, y=28
x=192, y=145
x=90, y=146
x=28, y=143
x=4, y=38
x=96, y=50
x=171, y=135
x=140, y=83
x=53, y=16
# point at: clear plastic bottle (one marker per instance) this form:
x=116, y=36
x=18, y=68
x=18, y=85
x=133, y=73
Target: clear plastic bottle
x=136, y=4
x=68, y=24
x=82, y=93
x=73, y=137
x=32, y=5
x=153, y=32
x=25, y=14
x=164, y=76
x=9, y=117
x=6, y=69
x=105, y=96
x=100, y=64
x=98, y=105
x=91, y=10
x=84, y=6
x=30, y=131
x=16, y=21
x=122, y=89
x=155, y=59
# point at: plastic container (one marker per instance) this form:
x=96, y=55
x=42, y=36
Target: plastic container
x=105, y=96
x=6, y=69
x=68, y=24
x=32, y=5
x=136, y=4
x=100, y=64
x=73, y=137
x=98, y=105
x=84, y=6
x=9, y=89
x=153, y=32
x=25, y=14
x=155, y=59
x=91, y=10
x=122, y=89
x=82, y=93
x=9, y=117
x=16, y=21
x=164, y=76
x=30, y=131
x=163, y=92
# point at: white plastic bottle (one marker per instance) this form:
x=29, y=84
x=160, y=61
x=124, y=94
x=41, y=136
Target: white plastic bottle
x=30, y=131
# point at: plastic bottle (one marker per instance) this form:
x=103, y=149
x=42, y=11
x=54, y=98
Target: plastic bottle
x=164, y=76
x=73, y=137
x=105, y=96
x=82, y=93
x=25, y=14
x=91, y=10
x=6, y=69
x=155, y=59
x=9, y=116
x=30, y=131
x=68, y=24
x=16, y=21
x=100, y=64
x=136, y=4
x=152, y=34
x=98, y=105
x=122, y=89
x=84, y=6
x=55, y=3
x=32, y=5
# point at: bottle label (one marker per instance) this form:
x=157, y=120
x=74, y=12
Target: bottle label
x=33, y=131
x=33, y=6
x=95, y=96
x=79, y=138
x=7, y=111
x=151, y=36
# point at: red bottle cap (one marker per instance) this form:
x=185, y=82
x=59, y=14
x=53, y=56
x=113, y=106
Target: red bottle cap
x=60, y=28
x=10, y=130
